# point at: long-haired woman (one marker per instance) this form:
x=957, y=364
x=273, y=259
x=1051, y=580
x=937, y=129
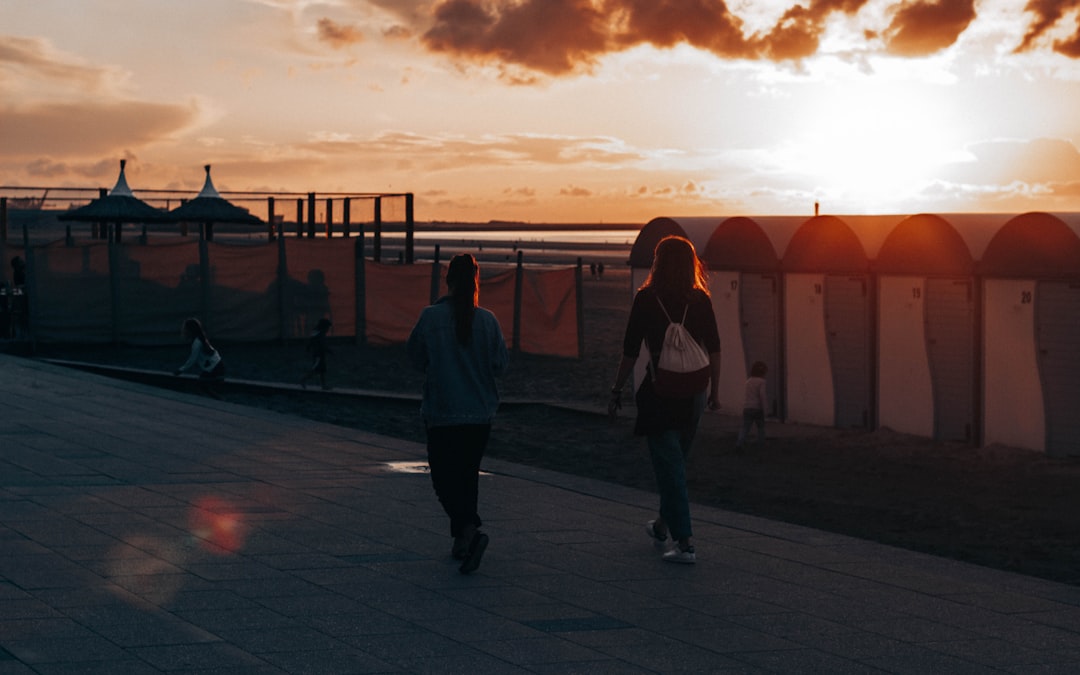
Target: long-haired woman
x=460, y=348
x=203, y=356
x=676, y=289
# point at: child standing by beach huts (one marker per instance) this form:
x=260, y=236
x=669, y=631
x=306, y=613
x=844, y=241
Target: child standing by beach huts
x=316, y=346
x=755, y=404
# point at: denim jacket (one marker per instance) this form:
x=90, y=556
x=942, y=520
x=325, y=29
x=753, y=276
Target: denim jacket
x=459, y=383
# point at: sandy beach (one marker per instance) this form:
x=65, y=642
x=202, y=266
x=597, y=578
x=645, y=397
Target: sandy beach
x=995, y=506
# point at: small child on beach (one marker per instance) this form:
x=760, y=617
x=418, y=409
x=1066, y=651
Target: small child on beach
x=316, y=346
x=755, y=404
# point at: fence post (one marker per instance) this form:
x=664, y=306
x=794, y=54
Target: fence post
x=377, y=229
x=270, y=218
x=311, y=215
x=114, y=291
x=204, y=277
x=410, y=228
x=579, y=291
x=329, y=217
x=346, y=215
x=519, y=282
x=434, y=294
x=361, y=289
x=283, y=280
x=299, y=217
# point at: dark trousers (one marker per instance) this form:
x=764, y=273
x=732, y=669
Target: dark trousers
x=454, y=455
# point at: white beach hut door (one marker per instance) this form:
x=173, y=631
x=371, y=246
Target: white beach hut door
x=759, y=309
x=847, y=328
x=1057, y=325
x=950, y=348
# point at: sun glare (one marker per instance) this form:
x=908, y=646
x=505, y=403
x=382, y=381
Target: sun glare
x=871, y=145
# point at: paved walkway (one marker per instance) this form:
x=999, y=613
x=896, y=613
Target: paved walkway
x=144, y=531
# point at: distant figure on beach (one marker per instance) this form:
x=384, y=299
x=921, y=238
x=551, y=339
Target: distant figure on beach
x=18, y=272
x=203, y=357
x=592, y=270
x=460, y=348
x=676, y=287
x=755, y=403
x=316, y=347
x=600, y=270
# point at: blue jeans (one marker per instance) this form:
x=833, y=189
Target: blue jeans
x=669, y=451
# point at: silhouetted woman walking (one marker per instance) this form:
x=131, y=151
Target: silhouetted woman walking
x=460, y=348
x=676, y=288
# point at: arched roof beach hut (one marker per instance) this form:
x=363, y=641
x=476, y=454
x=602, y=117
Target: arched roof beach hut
x=827, y=326
x=744, y=280
x=1031, y=287
x=927, y=331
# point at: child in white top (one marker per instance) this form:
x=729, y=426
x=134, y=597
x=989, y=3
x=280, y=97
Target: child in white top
x=755, y=404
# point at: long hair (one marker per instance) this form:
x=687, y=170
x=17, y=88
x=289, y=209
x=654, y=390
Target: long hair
x=194, y=330
x=676, y=269
x=463, y=280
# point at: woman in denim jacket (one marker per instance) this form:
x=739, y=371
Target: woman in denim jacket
x=460, y=348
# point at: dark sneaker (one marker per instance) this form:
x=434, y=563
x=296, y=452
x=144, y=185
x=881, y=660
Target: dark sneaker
x=476, y=551
x=460, y=550
x=657, y=540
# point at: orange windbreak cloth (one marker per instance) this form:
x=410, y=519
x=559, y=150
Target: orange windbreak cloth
x=497, y=295
x=244, y=301
x=72, y=299
x=549, y=322
x=394, y=296
x=321, y=283
x=157, y=287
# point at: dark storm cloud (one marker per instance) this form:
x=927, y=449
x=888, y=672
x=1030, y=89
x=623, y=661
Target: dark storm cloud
x=557, y=37
x=560, y=37
x=1045, y=15
x=550, y=36
x=925, y=27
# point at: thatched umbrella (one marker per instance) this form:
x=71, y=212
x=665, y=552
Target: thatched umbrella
x=209, y=207
x=120, y=205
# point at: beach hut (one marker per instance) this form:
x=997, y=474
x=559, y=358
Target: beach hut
x=744, y=279
x=927, y=356
x=828, y=305
x=1031, y=288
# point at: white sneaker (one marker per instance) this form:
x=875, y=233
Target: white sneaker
x=657, y=541
x=677, y=555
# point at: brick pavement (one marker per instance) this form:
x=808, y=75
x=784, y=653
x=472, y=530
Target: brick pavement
x=146, y=531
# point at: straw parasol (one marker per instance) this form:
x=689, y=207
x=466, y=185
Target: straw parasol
x=120, y=205
x=210, y=207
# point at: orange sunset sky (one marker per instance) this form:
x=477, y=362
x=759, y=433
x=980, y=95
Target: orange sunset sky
x=556, y=110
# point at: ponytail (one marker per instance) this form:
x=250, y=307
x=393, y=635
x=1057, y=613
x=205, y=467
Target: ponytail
x=462, y=278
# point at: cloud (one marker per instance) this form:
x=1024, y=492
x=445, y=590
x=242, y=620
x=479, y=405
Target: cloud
x=337, y=35
x=575, y=191
x=88, y=129
x=1046, y=14
x=923, y=27
x=1037, y=162
x=550, y=36
x=452, y=153
x=36, y=59
x=569, y=37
